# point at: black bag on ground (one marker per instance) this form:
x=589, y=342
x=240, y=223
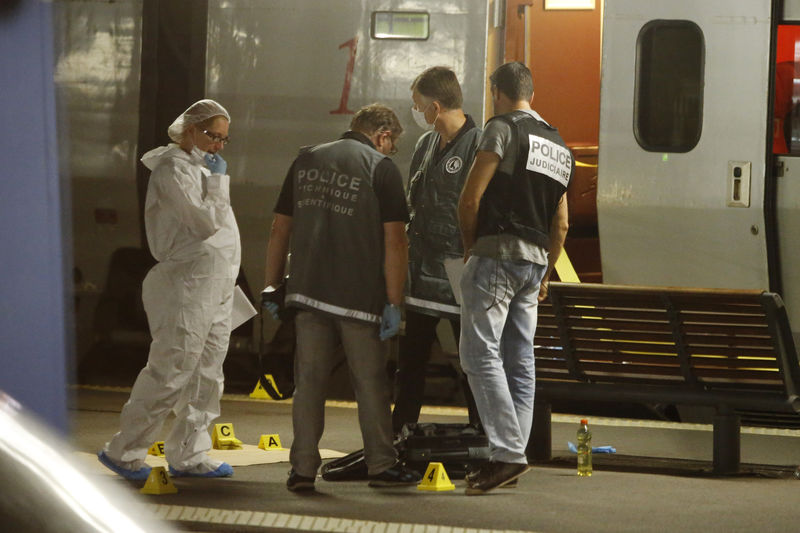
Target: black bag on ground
x=351, y=467
x=459, y=447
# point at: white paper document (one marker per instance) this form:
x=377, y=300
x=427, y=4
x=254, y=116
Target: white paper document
x=455, y=267
x=243, y=310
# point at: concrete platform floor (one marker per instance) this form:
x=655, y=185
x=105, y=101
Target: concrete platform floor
x=659, y=481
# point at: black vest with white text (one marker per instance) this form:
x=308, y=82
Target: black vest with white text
x=433, y=234
x=524, y=203
x=337, y=235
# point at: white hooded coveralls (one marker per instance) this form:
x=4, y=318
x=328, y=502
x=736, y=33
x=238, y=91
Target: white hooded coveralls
x=188, y=298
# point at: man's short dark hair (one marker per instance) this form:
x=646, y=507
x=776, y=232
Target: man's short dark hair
x=513, y=80
x=376, y=117
x=441, y=84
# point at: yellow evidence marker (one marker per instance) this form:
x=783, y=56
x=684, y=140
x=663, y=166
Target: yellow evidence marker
x=436, y=479
x=270, y=442
x=259, y=392
x=566, y=272
x=157, y=449
x=273, y=392
x=158, y=482
x=224, y=438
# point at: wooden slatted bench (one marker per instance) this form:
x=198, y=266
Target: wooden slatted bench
x=730, y=349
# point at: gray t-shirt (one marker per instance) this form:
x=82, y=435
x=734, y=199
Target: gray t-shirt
x=499, y=138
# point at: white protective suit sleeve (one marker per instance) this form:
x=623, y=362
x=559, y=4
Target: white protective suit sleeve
x=203, y=213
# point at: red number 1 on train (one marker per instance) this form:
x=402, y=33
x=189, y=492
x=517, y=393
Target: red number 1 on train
x=343, y=110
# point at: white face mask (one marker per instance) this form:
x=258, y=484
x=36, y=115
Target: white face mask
x=197, y=152
x=419, y=118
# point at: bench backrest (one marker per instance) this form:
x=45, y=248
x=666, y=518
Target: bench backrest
x=721, y=341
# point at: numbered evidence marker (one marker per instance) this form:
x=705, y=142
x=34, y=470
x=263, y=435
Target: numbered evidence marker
x=224, y=438
x=259, y=392
x=157, y=449
x=436, y=479
x=270, y=442
x=158, y=482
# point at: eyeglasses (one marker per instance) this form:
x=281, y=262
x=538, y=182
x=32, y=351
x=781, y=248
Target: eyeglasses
x=216, y=137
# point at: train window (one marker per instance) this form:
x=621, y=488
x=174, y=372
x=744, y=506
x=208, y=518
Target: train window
x=407, y=25
x=668, y=102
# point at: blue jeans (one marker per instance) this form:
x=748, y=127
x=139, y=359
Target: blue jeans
x=498, y=321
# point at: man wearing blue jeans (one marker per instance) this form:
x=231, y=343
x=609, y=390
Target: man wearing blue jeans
x=513, y=219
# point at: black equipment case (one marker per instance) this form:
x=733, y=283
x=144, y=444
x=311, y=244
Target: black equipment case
x=459, y=447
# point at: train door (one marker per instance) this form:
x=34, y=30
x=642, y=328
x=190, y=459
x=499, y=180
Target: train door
x=560, y=41
x=683, y=141
x=786, y=147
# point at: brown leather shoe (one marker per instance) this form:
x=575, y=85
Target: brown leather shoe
x=493, y=475
x=510, y=485
x=470, y=479
x=472, y=475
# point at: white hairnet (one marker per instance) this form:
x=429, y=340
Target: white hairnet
x=197, y=112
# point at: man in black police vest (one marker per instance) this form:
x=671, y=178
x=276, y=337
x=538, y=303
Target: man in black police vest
x=513, y=217
x=343, y=207
x=439, y=168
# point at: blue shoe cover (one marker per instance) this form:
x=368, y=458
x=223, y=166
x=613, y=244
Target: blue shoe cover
x=224, y=470
x=133, y=475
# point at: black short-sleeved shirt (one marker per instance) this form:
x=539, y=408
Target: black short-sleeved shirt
x=387, y=184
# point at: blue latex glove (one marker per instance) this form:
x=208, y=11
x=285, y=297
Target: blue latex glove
x=270, y=306
x=390, y=321
x=595, y=449
x=216, y=164
x=273, y=309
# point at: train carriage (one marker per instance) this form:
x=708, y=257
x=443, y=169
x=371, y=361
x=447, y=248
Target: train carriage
x=681, y=114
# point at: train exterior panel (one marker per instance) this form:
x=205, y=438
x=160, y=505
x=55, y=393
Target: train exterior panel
x=664, y=213
x=687, y=188
x=290, y=73
x=97, y=75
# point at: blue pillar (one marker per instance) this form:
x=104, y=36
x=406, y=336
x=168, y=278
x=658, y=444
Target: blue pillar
x=34, y=252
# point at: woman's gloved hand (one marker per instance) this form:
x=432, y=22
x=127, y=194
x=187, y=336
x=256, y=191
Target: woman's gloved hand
x=390, y=322
x=216, y=164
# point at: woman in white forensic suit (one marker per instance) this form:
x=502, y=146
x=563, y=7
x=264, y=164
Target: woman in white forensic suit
x=188, y=297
